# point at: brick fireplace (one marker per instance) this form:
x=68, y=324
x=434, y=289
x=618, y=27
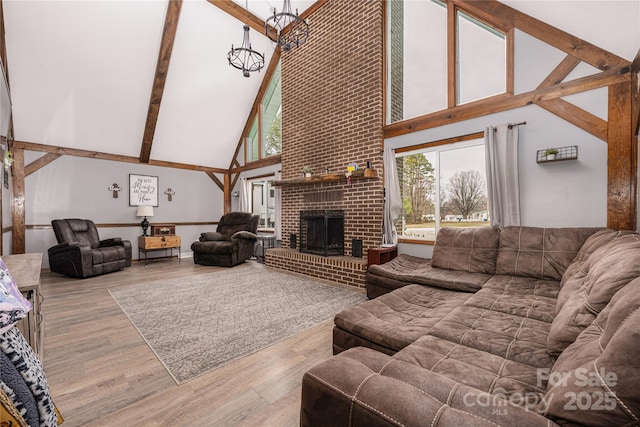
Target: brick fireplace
x=332, y=115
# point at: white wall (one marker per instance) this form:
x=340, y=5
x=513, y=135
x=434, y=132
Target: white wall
x=76, y=187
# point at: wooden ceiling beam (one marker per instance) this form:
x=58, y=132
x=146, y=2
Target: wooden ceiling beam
x=162, y=68
x=40, y=163
x=216, y=180
x=494, y=11
x=505, y=102
x=240, y=13
x=32, y=146
x=562, y=70
x=577, y=116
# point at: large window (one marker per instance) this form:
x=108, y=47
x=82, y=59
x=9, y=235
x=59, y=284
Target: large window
x=419, y=52
x=442, y=185
x=264, y=138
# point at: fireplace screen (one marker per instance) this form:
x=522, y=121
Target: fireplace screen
x=322, y=232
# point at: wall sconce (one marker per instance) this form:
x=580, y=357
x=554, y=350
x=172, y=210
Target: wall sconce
x=235, y=194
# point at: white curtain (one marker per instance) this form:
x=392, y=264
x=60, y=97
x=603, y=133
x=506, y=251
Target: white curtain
x=501, y=152
x=278, y=202
x=244, y=197
x=393, y=199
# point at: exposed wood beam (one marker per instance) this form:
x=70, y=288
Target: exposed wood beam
x=235, y=180
x=311, y=9
x=18, y=208
x=452, y=66
x=511, y=59
x=567, y=111
x=162, y=67
x=499, y=13
x=32, y=146
x=40, y=163
x=561, y=71
x=635, y=68
x=216, y=180
x=622, y=160
x=240, y=13
x=505, y=102
x=227, y=193
x=577, y=116
x=268, y=161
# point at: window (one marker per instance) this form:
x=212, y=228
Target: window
x=264, y=138
x=252, y=142
x=419, y=51
x=272, y=116
x=442, y=185
x=262, y=200
x=481, y=52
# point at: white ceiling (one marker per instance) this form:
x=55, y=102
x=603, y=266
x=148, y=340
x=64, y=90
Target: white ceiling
x=81, y=72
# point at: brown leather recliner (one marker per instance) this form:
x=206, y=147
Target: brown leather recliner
x=81, y=253
x=231, y=244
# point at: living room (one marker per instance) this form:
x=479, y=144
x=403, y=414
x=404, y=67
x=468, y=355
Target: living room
x=74, y=153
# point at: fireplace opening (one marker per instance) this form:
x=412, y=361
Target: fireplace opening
x=322, y=232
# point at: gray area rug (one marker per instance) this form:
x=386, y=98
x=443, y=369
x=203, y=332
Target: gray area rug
x=199, y=323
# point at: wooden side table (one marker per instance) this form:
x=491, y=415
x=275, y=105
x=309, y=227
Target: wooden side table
x=25, y=270
x=158, y=243
x=380, y=255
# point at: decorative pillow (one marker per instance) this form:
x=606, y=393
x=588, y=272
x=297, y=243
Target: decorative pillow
x=13, y=306
x=473, y=250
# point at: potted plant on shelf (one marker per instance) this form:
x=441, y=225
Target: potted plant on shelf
x=550, y=153
x=307, y=171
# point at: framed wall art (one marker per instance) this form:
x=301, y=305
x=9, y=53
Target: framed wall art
x=143, y=190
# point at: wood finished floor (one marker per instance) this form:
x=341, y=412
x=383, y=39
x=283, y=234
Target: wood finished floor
x=102, y=373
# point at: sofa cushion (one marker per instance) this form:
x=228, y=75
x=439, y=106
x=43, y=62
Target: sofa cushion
x=476, y=368
x=589, y=290
x=215, y=247
x=599, y=371
x=521, y=296
x=397, y=319
x=543, y=253
x=512, y=337
x=473, y=250
x=361, y=387
x=416, y=270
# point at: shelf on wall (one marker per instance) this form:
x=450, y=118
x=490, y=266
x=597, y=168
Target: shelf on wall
x=564, y=153
x=356, y=175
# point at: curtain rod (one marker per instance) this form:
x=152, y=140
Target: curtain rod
x=511, y=126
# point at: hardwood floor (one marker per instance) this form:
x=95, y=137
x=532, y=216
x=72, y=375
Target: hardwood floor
x=102, y=373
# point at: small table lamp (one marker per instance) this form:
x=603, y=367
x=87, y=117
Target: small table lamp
x=144, y=211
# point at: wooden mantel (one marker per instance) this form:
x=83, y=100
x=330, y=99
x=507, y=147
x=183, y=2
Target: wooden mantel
x=359, y=174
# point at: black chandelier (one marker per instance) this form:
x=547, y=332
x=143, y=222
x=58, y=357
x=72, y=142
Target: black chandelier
x=244, y=57
x=286, y=29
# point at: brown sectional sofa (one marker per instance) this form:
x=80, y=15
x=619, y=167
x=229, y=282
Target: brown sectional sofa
x=514, y=326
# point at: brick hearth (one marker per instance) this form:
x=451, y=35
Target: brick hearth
x=340, y=269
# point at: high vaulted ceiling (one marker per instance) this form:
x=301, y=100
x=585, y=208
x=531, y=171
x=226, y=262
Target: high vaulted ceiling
x=82, y=72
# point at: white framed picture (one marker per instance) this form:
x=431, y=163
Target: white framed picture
x=143, y=190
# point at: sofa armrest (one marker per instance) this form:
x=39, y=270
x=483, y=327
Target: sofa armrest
x=117, y=241
x=114, y=241
x=211, y=236
x=244, y=235
x=362, y=387
x=65, y=247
